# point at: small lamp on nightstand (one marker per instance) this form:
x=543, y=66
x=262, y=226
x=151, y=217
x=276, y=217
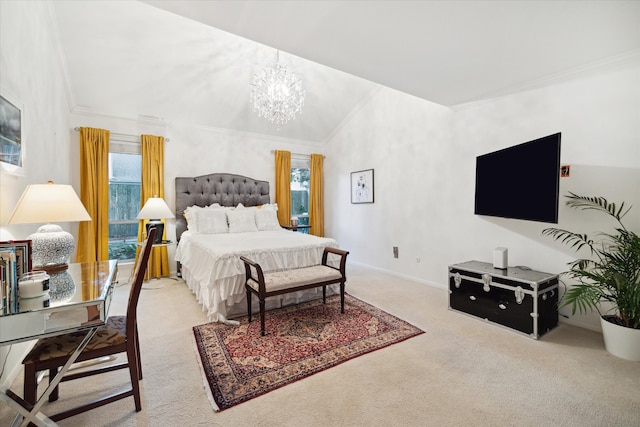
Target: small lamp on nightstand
x=154, y=209
x=47, y=203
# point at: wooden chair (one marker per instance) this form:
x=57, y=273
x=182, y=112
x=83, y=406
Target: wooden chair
x=119, y=335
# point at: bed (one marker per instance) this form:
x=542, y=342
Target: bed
x=208, y=254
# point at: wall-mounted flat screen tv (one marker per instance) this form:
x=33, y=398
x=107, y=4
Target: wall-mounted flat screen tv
x=520, y=182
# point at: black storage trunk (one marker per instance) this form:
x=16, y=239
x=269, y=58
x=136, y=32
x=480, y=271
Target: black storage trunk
x=520, y=299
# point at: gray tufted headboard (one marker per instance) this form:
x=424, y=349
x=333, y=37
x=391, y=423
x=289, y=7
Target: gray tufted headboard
x=224, y=188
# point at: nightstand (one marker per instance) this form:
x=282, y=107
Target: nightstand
x=297, y=227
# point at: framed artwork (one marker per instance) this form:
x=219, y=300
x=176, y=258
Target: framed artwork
x=362, y=186
x=22, y=249
x=11, y=144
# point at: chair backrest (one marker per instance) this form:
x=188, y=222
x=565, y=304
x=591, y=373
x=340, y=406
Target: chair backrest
x=137, y=279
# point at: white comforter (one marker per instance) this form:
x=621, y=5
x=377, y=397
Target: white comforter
x=213, y=271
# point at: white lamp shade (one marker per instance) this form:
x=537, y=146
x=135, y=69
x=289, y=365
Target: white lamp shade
x=46, y=203
x=155, y=208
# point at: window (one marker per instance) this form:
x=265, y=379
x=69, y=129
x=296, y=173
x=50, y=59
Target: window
x=300, y=177
x=125, y=171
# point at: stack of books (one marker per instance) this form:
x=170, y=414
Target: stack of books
x=9, y=280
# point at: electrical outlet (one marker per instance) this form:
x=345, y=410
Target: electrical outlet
x=395, y=252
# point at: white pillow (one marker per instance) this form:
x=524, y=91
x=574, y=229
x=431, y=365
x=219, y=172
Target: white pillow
x=241, y=206
x=190, y=216
x=241, y=220
x=212, y=221
x=269, y=206
x=267, y=220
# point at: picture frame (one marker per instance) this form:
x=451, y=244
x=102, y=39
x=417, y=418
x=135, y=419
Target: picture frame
x=362, y=186
x=11, y=134
x=23, y=255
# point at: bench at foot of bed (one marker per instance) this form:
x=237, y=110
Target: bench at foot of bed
x=265, y=285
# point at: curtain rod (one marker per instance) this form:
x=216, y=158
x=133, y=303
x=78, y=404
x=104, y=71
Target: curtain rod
x=297, y=154
x=122, y=134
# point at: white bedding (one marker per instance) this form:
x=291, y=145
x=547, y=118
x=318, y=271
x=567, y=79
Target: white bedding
x=213, y=271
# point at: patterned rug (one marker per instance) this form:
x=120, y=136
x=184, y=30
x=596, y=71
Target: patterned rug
x=240, y=364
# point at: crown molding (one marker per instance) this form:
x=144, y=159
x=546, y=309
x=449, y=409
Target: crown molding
x=156, y=121
x=616, y=62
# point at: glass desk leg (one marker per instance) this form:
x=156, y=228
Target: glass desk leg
x=34, y=416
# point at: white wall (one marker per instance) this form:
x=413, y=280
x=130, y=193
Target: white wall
x=599, y=120
x=407, y=141
x=31, y=76
x=424, y=161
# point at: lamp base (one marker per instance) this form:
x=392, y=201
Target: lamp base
x=61, y=286
x=51, y=248
x=159, y=225
x=51, y=269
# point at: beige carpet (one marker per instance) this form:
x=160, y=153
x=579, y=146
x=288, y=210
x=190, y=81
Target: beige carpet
x=462, y=372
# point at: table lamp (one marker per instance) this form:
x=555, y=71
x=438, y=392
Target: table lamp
x=154, y=209
x=47, y=203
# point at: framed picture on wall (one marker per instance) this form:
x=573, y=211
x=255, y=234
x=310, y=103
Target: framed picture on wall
x=11, y=149
x=362, y=186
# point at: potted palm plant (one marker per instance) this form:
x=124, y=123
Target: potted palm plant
x=611, y=275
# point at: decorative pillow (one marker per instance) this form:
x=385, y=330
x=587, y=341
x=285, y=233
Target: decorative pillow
x=269, y=206
x=190, y=216
x=241, y=220
x=212, y=221
x=241, y=206
x=267, y=220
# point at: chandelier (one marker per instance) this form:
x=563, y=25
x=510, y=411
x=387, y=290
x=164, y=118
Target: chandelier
x=276, y=93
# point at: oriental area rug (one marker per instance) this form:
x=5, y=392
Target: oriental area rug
x=239, y=364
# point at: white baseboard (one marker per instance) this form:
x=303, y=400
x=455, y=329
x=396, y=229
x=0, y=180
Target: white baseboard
x=578, y=323
x=569, y=321
x=400, y=275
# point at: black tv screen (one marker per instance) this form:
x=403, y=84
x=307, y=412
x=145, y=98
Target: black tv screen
x=520, y=182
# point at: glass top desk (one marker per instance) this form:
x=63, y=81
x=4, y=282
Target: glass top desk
x=80, y=298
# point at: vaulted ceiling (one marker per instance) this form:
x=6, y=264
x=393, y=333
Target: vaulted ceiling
x=191, y=62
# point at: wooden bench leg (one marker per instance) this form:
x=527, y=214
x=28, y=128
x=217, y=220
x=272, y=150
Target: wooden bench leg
x=324, y=294
x=262, y=328
x=249, y=304
x=342, y=297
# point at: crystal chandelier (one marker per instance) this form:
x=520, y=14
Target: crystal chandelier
x=276, y=93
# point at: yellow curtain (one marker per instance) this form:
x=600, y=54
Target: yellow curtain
x=152, y=185
x=283, y=186
x=316, y=204
x=93, y=236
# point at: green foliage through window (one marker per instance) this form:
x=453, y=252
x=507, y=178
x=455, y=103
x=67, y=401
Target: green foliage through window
x=300, y=179
x=124, y=204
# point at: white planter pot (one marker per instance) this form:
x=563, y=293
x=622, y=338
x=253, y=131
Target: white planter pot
x=621, y=341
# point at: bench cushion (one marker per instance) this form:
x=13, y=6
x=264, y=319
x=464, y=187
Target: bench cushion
x=286, y=279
